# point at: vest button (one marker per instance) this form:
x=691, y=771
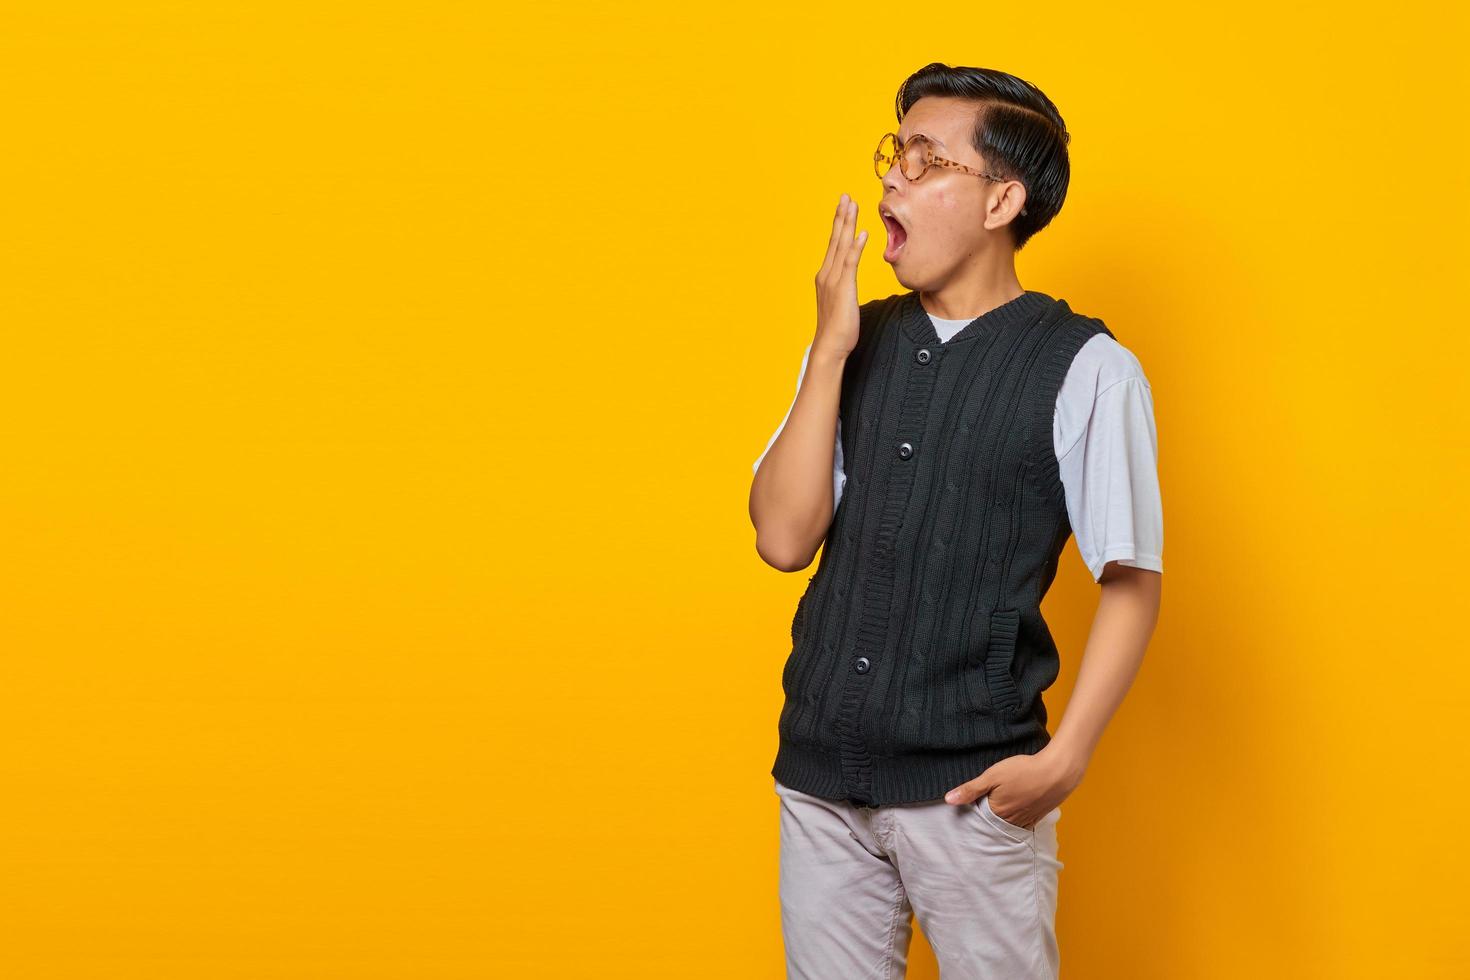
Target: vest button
x=861, y=665
x=922, y=356
x=905, y=450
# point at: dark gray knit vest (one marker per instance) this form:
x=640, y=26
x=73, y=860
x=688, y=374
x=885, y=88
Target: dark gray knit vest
x=919, y=653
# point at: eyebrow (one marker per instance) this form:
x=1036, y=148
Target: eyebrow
x=933, y=139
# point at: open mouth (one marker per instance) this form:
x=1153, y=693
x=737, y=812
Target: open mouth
x=897, y=235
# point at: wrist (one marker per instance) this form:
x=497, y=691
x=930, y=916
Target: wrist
x=1069, y=761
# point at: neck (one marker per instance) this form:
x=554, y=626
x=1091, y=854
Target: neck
x=972, y=296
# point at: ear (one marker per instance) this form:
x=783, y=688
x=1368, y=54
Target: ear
x=1008, y=201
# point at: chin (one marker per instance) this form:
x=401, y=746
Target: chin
x=903, y=271
x=898, y=265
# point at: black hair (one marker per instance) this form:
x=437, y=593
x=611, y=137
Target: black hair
x=1018, y=131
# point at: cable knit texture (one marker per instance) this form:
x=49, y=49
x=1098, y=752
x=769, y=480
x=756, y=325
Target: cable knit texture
x=919, y=653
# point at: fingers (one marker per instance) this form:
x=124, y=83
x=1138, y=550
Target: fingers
x=856, y=252
x=836, y=239
x=841, y=240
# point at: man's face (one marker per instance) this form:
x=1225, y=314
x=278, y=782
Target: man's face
x=942, y=214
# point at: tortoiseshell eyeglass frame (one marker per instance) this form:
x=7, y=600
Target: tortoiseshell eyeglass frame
x=930, y=159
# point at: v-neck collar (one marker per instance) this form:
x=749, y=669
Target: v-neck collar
x=1021, y=310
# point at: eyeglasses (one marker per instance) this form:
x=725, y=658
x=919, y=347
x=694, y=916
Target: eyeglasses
x=915, y=158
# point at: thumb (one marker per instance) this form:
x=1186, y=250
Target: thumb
x=968, y=792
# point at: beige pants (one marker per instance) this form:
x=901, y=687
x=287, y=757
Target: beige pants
x=984, y=890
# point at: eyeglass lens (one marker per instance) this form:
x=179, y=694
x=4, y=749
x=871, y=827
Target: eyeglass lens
x=913, y=158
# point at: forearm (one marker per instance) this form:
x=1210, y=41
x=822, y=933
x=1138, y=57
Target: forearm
x=1127, y=611
x=791, y=494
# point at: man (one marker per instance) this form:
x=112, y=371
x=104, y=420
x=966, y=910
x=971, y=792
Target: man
x=942, y=446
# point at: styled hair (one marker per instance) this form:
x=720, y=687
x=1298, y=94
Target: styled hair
x=1018, y=131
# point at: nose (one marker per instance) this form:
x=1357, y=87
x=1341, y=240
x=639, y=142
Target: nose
x=892, y=178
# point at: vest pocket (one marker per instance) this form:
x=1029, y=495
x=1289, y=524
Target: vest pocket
x=786, y=673
x=798, y=630
x=1001, y=652
x=798, y=621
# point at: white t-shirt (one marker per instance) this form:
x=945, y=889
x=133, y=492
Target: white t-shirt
x=1107, y=453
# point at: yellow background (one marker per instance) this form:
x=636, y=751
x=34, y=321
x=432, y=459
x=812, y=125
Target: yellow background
x=379, y=598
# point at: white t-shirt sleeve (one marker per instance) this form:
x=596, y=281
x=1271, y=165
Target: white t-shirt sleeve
x=839, y=478
x=1107, y=452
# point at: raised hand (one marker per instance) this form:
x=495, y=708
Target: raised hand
x=837, y=299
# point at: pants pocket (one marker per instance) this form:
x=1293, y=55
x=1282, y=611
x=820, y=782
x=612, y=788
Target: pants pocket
x=1014, y=832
